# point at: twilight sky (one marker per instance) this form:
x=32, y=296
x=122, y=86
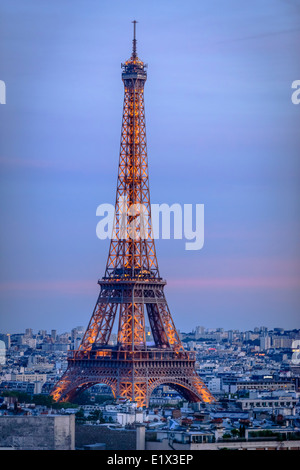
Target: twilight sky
x=221, y=130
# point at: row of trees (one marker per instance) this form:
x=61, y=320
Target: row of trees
x=47, y=401
x=39, y=399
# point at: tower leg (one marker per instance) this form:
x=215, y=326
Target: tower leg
x=75, y=380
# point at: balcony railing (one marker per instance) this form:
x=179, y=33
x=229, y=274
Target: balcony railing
x=119, y=355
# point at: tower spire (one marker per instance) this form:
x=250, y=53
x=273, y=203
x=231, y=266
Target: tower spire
x=134, y=40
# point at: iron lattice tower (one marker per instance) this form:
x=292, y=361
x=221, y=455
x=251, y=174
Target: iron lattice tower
x=132, y=285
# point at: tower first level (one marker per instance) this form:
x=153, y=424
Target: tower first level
x=132, y=375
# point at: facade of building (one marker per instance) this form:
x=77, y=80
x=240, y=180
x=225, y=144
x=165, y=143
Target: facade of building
x=285, y=405
x=45, y=432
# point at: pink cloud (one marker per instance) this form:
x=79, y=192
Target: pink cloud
x=59, y=287
x=27, y=162
x=89, y=287
x=260, y=282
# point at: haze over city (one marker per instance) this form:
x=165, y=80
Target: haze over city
x=221, y=131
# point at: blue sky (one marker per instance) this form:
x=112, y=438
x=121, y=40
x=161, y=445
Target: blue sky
x=221, y=130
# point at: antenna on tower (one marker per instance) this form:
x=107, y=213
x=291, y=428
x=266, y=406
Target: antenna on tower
x=134, y=40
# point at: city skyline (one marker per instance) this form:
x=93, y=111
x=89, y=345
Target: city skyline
x=256, y=329
x=218, y=98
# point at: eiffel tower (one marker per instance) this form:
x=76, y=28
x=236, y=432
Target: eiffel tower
x=132, y=286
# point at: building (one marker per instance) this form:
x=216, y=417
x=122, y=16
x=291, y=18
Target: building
x=189, y=441
x=45, y=432
x=265, y=342
x=272, y=403
x=23, y=387
x=6, y=339
x=262, y=385
x=123, y=414
x=28, y=377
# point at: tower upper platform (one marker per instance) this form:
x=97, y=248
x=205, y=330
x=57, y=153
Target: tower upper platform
x=134, y=68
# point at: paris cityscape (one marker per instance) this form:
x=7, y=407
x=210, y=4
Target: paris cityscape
x=193, y=342
x=255, y=376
